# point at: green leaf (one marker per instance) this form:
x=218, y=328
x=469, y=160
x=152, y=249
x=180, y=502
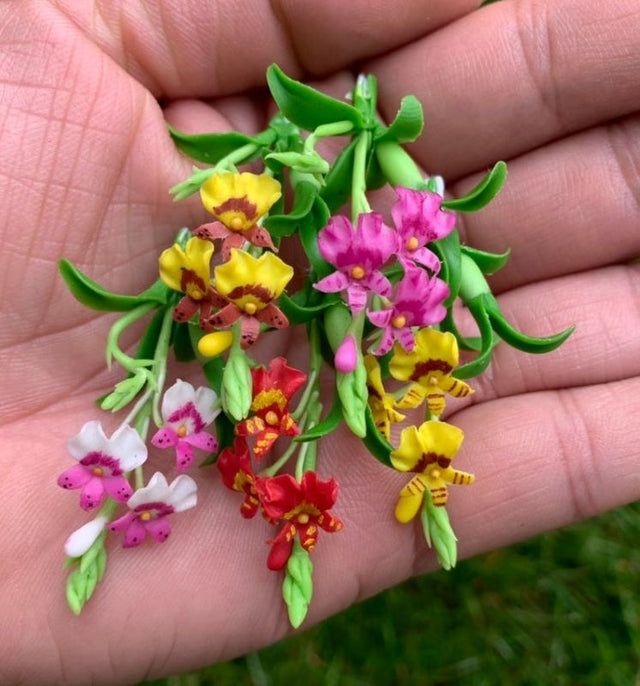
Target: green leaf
x=470, y=343
x=483, y=193
x=182, y=343
x=212, y=147
x=516, y=339
x=375, y=442
x=449, y=251
x=82, y=581
x=297, y=587
x=326, y=426
x=488, y=262
x=337, y=183
x=236, y=392
x=488, y=341
x=310, y=227
x=300, y=314
x=307, y=107
x=91, y=294
x=281, y=225
x=407, y=125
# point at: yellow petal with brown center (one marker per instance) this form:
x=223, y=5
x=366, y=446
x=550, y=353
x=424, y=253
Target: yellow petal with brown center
x=195, y=257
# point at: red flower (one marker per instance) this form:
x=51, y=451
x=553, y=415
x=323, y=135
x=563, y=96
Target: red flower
x=303, y=507
x=273, y=388
x=237, y=474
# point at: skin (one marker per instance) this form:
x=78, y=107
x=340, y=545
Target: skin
x=550, y=86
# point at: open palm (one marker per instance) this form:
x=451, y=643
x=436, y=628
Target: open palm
x=86, y=162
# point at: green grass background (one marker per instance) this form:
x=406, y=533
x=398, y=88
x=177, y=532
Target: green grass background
x=562, y=609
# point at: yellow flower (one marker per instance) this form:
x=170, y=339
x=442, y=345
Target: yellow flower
x=381, y=403
x=239, y=200
x=252, y=283
x=429, y=365
x=187, y=270
x=427, y=450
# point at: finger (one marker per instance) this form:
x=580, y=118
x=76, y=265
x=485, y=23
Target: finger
x=605, y=346
x=515, y=75
x=193, y=49
x=569, y=206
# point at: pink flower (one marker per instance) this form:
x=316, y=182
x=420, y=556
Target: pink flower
x=150, y=506
x=103, y=463
x=346, y=357
x=418, y=302
x=358, y=255
x=419, y=220
x=186, y=413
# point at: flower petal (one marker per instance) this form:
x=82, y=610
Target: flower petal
x=127, y=446
x=135, y=534
x=202, y=440
x=182, y=493
x=158, y=528
x=118, y=488
x=184, y=455
x=156, y=490
x=92, y=494
x=165, y=438
x=75, y=477
x=90, y=438
x=334, y=283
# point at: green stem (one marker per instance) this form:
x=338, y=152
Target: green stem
x=359, y=202
x=398, y=166
x=113, y=349
x=306, y=395
x=273, y=469
x=160, y=362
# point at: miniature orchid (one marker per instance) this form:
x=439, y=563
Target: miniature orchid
x=303, y=506
x=429, y=365
x=249, y=285
x=273, y=389
x=358, y=255
x=238, y=201
x=150, y=506
x=237, y=474
x=187, y=271
x=103, y=463
x=186, y=413
x=418, y=301
x=419, y=219
x=382, y=404
x=427, y=450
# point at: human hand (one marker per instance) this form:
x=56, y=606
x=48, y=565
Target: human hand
x=550, y=87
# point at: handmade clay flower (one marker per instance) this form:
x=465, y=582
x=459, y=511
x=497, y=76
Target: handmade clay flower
x=187, y=271
x=186, y=412
x=83, y=538
x=427, y=450
x=237, y=474
x=272, y=391
x=382, y=404
x=346, y=357
x=150, y=506
x=430, y=365
x=103, y=463
x=358, y=255
x=238, y=201
x=303, y=506
x=419, y=219
x=417, y=302
x=249, y=285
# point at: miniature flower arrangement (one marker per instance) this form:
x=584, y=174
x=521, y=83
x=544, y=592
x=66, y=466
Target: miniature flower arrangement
x=380, y=300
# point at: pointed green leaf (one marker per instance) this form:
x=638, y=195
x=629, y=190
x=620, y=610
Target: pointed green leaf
x=181, y=342
x=281, y=225
x=488, y=262
x=376, y=443
x=465, y=343
x=407, y=125
x=449, y=251
x=310, y=227
x=300, y=314
x=482, y=194
x=91, y=294
x=329, y=424
x=305, y=106
x=489, y=341
x=518, y=340
x=212, y=147
x=337, y=183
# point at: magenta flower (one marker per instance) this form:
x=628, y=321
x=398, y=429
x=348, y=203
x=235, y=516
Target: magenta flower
x=418, y=302
x=103, y=463
x=186, y=413
x=358, y=255
x=419, y=220
x=150, y=506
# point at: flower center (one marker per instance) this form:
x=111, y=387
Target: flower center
x=182, y=431
x=146, y=515
x=271, y=418
x=194, y=293
x=358, y=272
x=433, y=380
x=399, y=321
x=435, y=473
x=303, y=518
x=412, y=244
x=98, y=471
x=250, y=308
x=236, y=224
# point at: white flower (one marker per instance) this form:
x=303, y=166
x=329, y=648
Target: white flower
x=83, y=538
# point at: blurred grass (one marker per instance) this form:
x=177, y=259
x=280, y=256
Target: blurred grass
x=561, y=610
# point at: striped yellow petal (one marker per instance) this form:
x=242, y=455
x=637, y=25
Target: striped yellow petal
x=440, y=438
x=196, y=257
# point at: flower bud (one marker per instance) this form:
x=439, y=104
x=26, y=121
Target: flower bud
x=213, y=344
x=83, y=538
x=346, y=357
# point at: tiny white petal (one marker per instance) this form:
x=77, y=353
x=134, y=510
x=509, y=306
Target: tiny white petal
x=91, y=438
x=204, y=399
x=127, y=446
x=156, y=491
x=176, y=397
x=83, y=538
x=183, y=494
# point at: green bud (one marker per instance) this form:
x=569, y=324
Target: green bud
x=311, y=162
x=438, y=532
x=125, y=391
x=297, y=587
x=236, y=384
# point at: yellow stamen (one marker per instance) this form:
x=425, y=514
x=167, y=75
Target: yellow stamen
x=250, y=308
x=98, y=471
x=236, y=224
x=435, y=474
x=303, y=518
x=358, y=272
x=412, y=244
x=182, y=431
x=399, y=321
x=433, y=380
x=271, y=418
x=146, y=515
